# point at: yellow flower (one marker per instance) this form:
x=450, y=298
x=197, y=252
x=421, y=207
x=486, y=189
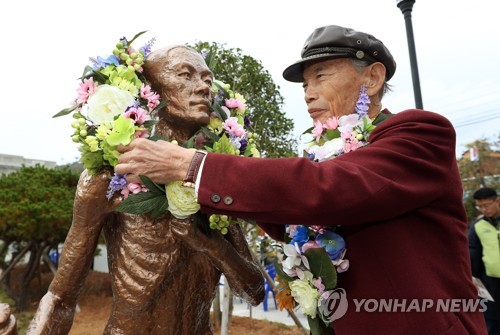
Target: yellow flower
x=181, y=200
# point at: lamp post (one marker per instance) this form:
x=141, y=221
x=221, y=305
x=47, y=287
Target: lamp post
x=406, y=7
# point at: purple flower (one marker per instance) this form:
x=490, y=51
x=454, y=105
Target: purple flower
x=363, y=102
x=146, y=48
x=301, y=236
x=243, y=146
x=333, y=243
x=247, y=122
x=116, y=184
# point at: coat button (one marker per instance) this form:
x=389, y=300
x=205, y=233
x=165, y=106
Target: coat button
x=215, y=198
x=228, y=200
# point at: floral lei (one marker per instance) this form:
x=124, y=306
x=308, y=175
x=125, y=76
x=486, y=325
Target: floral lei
x=115, y=104
x=315, y=254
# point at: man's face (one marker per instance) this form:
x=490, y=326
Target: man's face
x=331, y=88
x=186, y=82
x=488, y=207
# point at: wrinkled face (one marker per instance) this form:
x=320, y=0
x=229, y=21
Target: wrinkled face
x=186, y=82
x=331, y=88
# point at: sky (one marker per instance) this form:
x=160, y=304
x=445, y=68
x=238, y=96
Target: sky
x=46, y=45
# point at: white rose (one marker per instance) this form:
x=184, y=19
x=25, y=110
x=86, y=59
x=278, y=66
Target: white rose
x=106, y=103
x=329, y=149
x=305, y=295
x=181, y=200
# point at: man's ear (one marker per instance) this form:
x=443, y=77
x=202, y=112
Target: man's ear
x=376, y=78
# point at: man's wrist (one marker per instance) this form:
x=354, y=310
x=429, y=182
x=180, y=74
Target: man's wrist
x=193, y=169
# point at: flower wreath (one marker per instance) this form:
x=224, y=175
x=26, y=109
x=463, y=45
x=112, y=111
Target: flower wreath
x=315, y=254
x=115, y=104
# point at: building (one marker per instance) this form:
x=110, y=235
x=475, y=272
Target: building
x=12, y=163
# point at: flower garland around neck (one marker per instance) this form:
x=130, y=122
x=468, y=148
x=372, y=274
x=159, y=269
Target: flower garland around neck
x=337, y=136
x=313, y=255
x=115, y=104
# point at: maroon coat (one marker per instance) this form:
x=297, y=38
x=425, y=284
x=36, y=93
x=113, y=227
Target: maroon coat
x=399, y=202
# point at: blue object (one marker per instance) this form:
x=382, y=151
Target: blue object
x=271, y=271
x=54, y=256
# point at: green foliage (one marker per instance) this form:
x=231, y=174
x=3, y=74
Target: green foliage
x=36, y=204
x=477, y=174
x=248, y=77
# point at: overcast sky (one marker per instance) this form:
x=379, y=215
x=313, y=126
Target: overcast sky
x=46, y=45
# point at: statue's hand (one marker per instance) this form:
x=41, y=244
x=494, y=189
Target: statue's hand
x=7, y=321
x=194, y=238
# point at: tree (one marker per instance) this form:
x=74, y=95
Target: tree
x=248, y=77
x=479, y=173
x=35, y=215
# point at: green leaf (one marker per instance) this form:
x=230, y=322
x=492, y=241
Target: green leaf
x=142, y=203
x=160, y=209
x=317, y=327
x=217, y=109
x=332, y=133
x=135, y=37
x=67, y=110
x=190, y=142
x=211, y=135
x=149, y=123
x=158, y=137
x=281, y=273
x=88, y=71
x=321, y=266
x=100, y=77
x=152, y=186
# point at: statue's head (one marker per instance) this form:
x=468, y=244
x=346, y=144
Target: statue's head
x=181, y=77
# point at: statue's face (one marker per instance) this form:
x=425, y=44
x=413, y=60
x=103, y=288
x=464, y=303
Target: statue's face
x=186, y=83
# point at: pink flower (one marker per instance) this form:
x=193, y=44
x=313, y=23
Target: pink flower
x=342, y=265
x=347, y=136
x=151, y=96
x=200, y=139
x=235, y=103
x=331, y=123
x=318, y=229
x=133, y=188
x=86, y=89
x=139, y=115
x=233, y=128
x=141, y=133
x=309, y=245
x=319, y=285
x=317, y=130
x=353, y=145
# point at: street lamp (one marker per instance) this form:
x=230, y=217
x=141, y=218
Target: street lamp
x=406, y=7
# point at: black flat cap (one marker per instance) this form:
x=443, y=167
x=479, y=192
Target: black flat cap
x=339, y=42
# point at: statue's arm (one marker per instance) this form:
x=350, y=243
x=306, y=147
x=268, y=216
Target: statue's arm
x=56, y=309
x=229, y=254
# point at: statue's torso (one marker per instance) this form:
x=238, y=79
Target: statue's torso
x=160, y=286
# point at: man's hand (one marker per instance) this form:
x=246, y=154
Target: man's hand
x=161, y=161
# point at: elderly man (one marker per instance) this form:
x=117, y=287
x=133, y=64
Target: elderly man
x=398, y=199
x=164, y=274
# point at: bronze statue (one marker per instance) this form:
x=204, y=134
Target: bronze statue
x=7, y=321
x=164, y=272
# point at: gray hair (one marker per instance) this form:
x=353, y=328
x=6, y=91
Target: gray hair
x=360, y=64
